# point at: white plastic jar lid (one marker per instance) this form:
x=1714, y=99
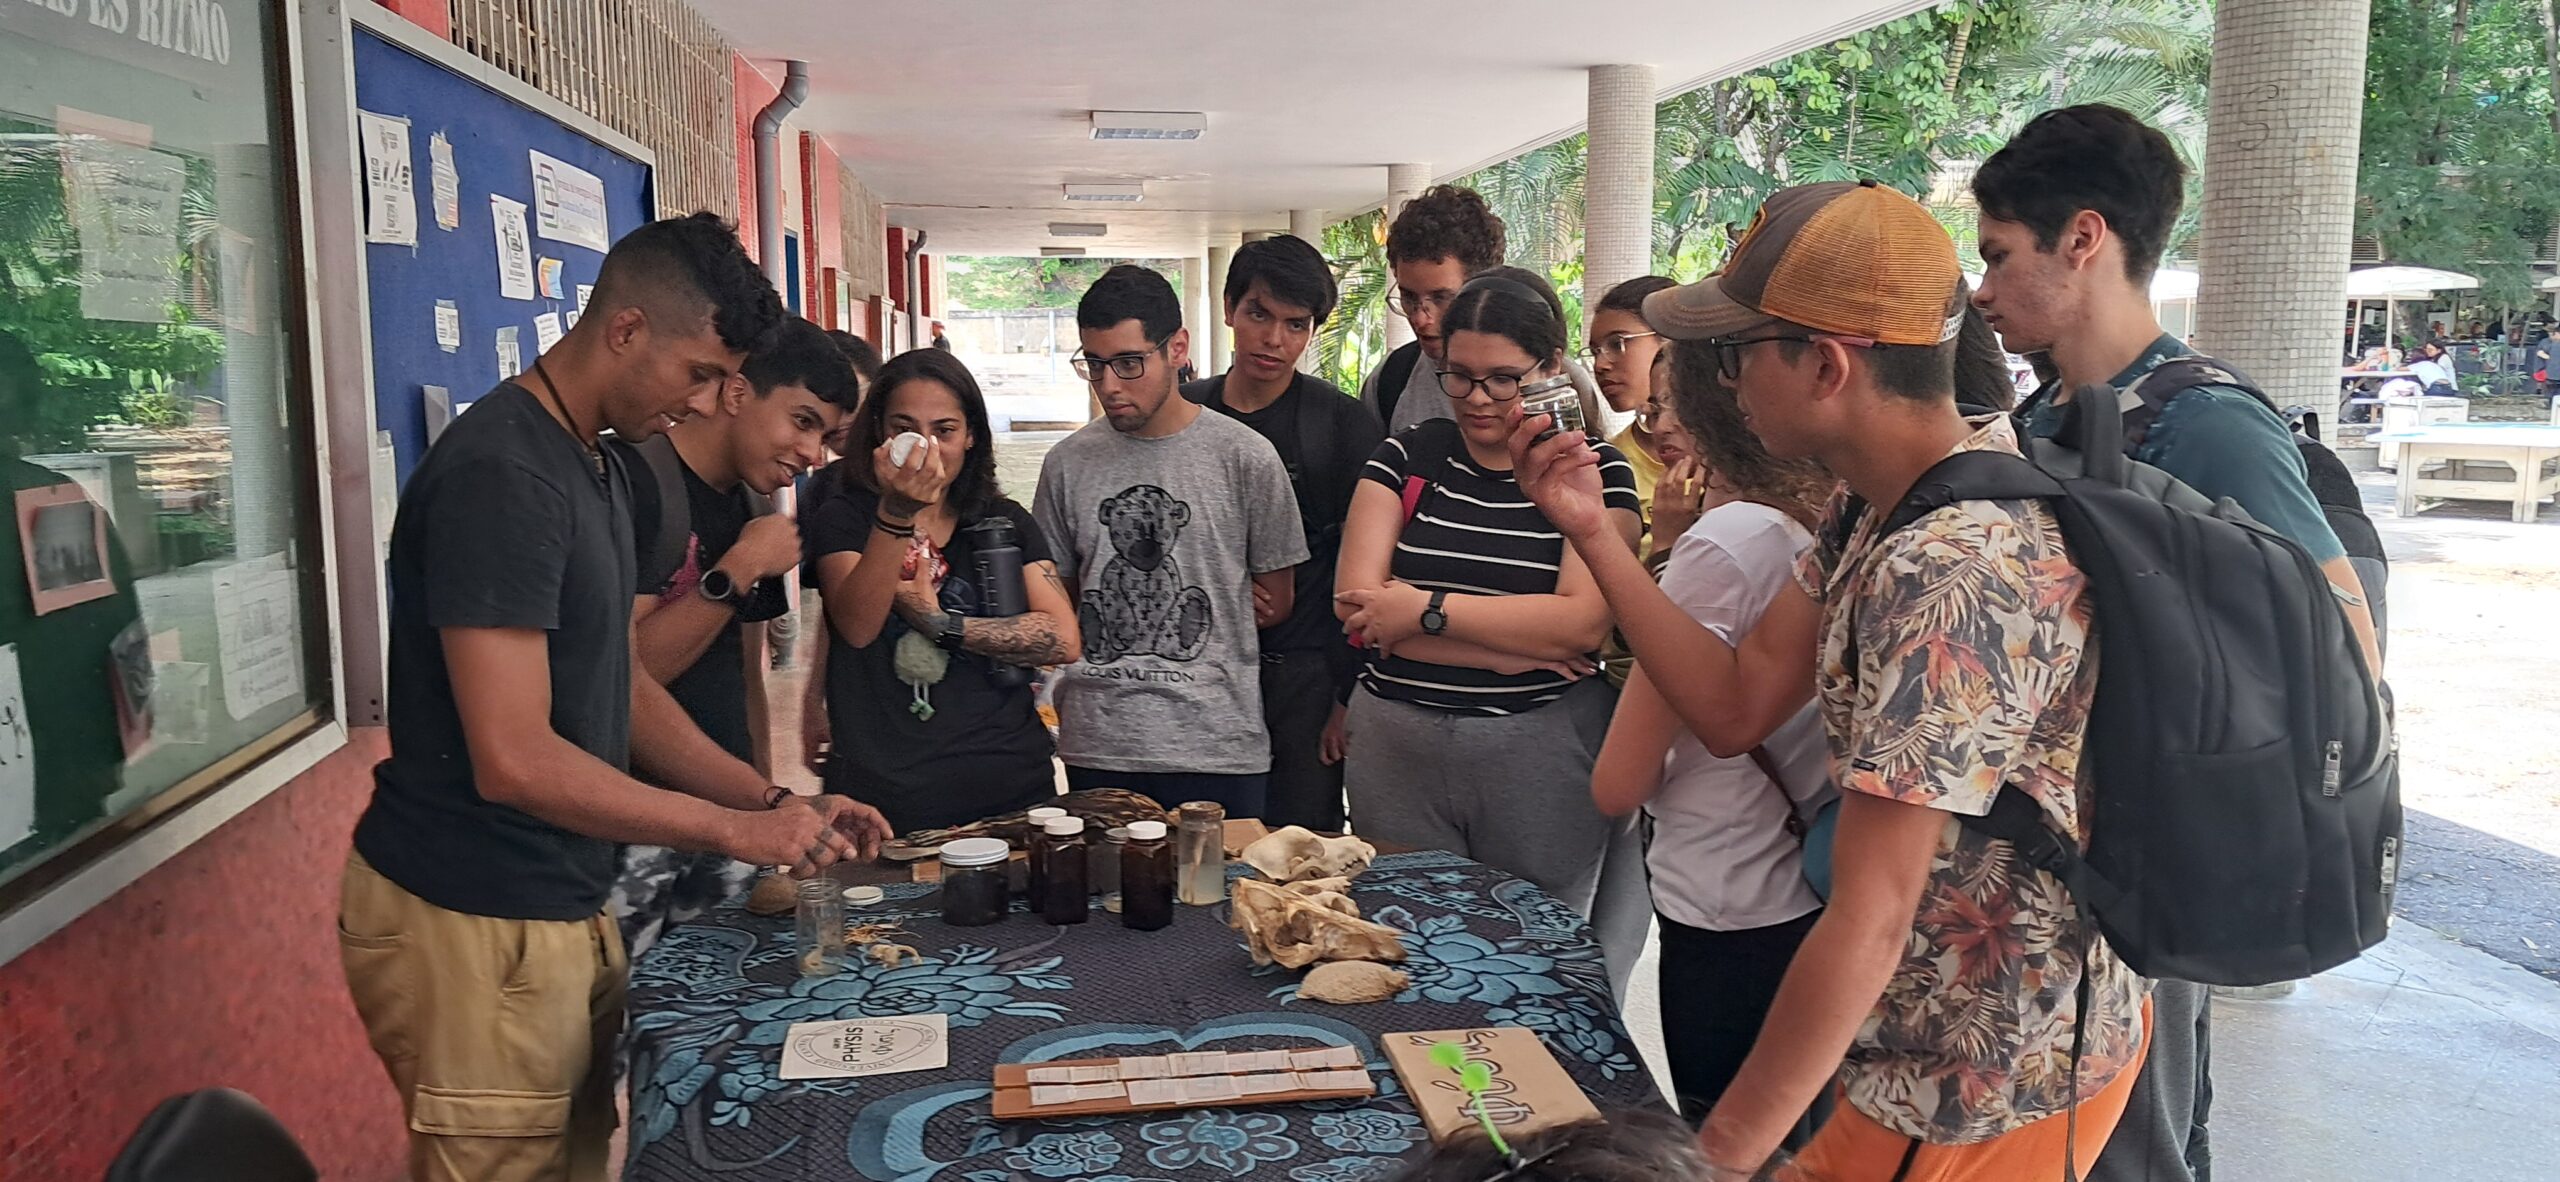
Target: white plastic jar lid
x=863, y=896
x=1146, y=831
x=976, y=851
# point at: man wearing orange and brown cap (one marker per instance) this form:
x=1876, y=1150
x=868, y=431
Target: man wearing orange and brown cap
x=1937, y=990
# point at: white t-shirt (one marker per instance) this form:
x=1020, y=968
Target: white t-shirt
x=1721, y=857
x=2430, y=372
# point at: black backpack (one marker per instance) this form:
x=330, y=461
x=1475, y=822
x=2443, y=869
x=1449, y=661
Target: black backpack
x=1392, y=376
x=664, y=516
x=2245, y=820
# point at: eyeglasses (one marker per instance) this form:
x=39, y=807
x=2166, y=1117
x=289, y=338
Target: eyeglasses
x=1649, y=416
x=1128, y=366
x=1614, y=345
x=1729, y=350
x=1409, y=305
x=1500, y=387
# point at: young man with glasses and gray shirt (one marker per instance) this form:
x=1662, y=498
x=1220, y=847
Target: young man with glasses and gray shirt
x=1176, y=534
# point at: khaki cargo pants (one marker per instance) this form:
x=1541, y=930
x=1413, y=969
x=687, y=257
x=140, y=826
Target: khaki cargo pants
x=499, y=1033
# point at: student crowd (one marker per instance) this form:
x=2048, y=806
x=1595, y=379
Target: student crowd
x=1663, y=676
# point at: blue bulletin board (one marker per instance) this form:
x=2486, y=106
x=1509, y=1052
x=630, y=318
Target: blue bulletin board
x=492, y=139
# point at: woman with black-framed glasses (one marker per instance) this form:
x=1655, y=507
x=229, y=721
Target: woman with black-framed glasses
x=1477, y=717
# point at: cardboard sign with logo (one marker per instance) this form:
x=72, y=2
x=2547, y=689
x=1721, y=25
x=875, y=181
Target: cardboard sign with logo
x=1530, y=1089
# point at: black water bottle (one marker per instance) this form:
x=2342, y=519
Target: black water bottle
x=1000, y=591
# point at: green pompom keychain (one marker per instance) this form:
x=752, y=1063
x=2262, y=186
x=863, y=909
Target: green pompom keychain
x=922, y=665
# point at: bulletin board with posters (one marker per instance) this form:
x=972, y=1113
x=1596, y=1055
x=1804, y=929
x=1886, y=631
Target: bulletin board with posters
x=486, y=223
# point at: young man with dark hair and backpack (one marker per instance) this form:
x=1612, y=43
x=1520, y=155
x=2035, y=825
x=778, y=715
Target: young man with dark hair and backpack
x=1279, y=291
x=1436, y=243
x=472, y=919
x=1976, y=1027
x=711, y=555
x=1174, y=531
x=2075, y=213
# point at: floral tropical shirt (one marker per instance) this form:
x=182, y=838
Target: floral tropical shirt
x=1955, y=656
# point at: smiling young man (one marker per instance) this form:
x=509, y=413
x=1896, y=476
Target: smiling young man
x=1175, y=531
x=472, y=919
x=2075, y=213
x=1939, y=988
x=1279, y=291
x=710, y=564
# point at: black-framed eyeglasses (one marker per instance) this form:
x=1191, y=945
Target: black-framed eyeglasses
x=1407, y=304
x=1128, y=366
x=1729, y=350
x=1500, y=387
x=1613, y=346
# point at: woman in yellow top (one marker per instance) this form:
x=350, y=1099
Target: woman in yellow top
x=1622, y=354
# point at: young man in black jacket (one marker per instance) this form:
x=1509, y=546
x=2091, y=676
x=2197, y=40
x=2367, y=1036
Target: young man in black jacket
x=1279, y=291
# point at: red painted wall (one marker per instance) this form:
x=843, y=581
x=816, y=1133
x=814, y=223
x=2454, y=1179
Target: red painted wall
x=432, y=15
x=219, y=968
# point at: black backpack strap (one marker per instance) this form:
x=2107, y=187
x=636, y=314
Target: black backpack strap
x=666, y=527
x=2152, y=393
x=1199, y=391
x=1392, y=378
x=1971, y=476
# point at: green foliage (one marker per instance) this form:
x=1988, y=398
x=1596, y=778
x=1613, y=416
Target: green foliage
x=88, y=371
x=997, y=283
x=1353, y=340
x=2461, y=165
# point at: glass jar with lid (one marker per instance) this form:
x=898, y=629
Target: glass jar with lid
x=973, y=881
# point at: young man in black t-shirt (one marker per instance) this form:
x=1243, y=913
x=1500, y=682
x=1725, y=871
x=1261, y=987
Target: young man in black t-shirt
x=711, y=564
x=472, y=921
x=1279, y=291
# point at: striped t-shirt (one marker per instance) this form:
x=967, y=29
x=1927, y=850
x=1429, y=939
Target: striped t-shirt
x=1473, y=532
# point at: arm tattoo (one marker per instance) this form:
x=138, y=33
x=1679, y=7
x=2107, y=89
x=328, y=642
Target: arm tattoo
x=1027, y=639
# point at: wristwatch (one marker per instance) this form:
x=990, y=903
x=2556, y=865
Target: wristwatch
x=719, y=588
x=1435, y=619
x=949, y=638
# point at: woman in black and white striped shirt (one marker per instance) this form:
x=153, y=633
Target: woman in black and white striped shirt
x=1479, y=715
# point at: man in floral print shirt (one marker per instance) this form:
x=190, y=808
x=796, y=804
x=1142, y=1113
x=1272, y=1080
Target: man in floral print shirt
x=1940, y=988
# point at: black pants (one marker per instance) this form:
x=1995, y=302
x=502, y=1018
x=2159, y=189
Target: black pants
x=1716, y=990
x=1297, y=700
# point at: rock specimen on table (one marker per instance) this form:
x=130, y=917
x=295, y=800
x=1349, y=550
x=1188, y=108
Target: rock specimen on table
x=1352, y=982
x=1302, y=923
x=1295, y=854
x=775, y=894
x=1102, y=809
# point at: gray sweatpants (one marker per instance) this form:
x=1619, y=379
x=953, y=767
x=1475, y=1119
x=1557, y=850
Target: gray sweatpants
x=2162, y=1137
x=1512, y=792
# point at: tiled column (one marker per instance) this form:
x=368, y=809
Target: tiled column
x=1307, y=225
x=2286, y=111
x=1404, y=183
x=1617, y=186
x=1195, y=304
x=1219, y=341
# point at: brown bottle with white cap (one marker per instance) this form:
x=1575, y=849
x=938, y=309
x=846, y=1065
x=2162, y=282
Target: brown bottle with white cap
x=1065, y=896
x=1146, y=878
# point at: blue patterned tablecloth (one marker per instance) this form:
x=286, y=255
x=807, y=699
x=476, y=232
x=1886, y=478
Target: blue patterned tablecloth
x=710, y=1004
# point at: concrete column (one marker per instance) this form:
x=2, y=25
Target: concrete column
x=1195, y=308
x=1617, y=186
x=2283, y=125
x=1404, y=183
x=1219, y=343
x=1257, y=235
x=1308, y=225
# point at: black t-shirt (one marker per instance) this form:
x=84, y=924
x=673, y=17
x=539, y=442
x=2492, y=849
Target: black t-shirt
x=507, y=524
x=1473, y=532
x=1312, y=416
x=714, y=689
x=816, y=489
x=984, y=751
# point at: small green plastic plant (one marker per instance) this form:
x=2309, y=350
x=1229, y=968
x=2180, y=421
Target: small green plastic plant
x=1475, y=1078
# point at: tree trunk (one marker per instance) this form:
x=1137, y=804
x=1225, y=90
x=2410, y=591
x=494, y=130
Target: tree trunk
x=2452, y=75
x=1724, y=116
x=2551, y=68
x=1964, y=38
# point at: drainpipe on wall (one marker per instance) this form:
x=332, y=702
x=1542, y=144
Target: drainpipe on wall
x=915, y=293
x=795, y=90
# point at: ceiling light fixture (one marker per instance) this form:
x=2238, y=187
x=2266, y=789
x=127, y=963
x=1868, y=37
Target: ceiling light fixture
x=1105, y=192
x=1078, y=229
x=1061, y=252
x=1149, y=125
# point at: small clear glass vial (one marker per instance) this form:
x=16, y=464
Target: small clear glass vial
x=819, y=923
x=1200, y=852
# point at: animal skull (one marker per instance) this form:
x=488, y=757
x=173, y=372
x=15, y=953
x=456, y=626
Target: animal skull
x=1294, y=854
x=1299, y=924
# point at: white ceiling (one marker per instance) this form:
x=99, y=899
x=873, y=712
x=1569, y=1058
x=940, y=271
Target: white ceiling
x=965, y=116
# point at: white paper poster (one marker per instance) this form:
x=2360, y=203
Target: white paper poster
x=546, y=332
x=260, y=630
x=17, y=755
x=866, y=1046
x=510, y=353
x=586, y=291
x=124, y=203
x=444, y=183
x=448, y=326
x=390, y=182
x=568, y=203
x=515, y=250
x=386, y=492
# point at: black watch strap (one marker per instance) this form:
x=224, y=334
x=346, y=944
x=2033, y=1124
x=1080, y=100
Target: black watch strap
x=1435, y=618
x=949, y=638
